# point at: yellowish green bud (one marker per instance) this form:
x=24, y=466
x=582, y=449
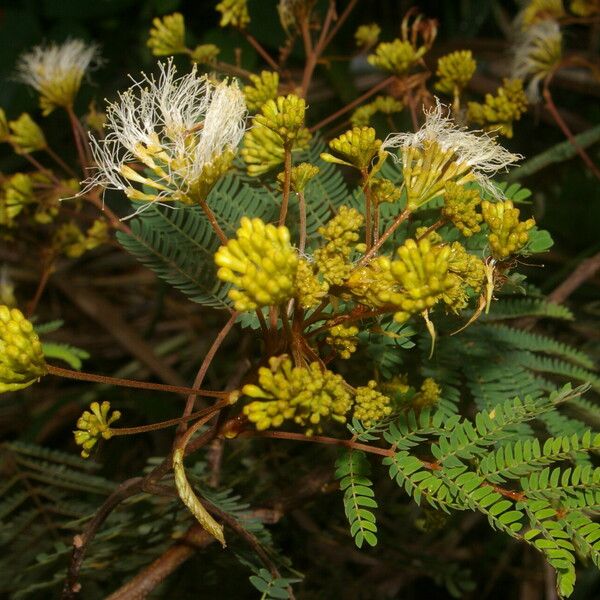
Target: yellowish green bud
x=260, y=263
x=428, y=395
x=285, y=116
x=343, y=340
x=264, y=87
x=386, y=105
x=4, y=130
x=300, y=176
x=499, y=112
x=383, y=190
x=396, y=57
x=585, y=8
x=234, y=13
x=167, y=35
x=71, y=241
x=540, y=10
x=21, y=356
x=358, y=147
x=27, y=135
x=205, y=54
x=306, y=395
x=372, y=284
x=460, y=207
x=367, y=35
x=309, y=289
x=507, y=234
x=455, y=71
x=95, y=425
x=370, y=404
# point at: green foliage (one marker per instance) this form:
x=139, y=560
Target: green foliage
x=69, y=354
x=352, y=469
x=272, y=587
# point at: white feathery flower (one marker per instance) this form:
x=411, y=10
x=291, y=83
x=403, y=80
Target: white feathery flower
x=56, y=71
x=536, y=51
x=183, y=129
x=442, y=152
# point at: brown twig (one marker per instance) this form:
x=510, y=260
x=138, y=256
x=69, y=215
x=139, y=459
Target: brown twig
x=213, y=221
x=385, y=235
x=586, y=270
x=259, y=48
x=287, y=177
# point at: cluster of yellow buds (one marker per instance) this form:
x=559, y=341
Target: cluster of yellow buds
x=21, y=355
x=300, y=175
x=310, y=290
x=358, y=146
x=70, y=240
x=27, y=136
x=17, y=193
x=428, y=395
x=422, y=271
x=455, y=71
x=367, y=35
x=384, y=190
x=343, y=339
x=234, y=13
x=370, y=405
x=305, y=395
x=397, y=57
x=468, y=267
x=386, y=105
x=541, y=10
x=91, y=426
x=279, y=124
x=167, y=35
x=373, y=283
x=341, y=233
x=499, y=112
x=264, y=87
x=260, y=263
x=585, y=8
x=204, y=54
x=507, y=234
x=460, y=207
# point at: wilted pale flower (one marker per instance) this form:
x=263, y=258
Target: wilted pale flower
x=185, y=130
x=441, y=152
x=537, y=50
x=56, y=71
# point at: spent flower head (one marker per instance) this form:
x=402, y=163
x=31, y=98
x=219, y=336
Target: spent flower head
x=56, y=71
x=442, y=152
x=185, y=130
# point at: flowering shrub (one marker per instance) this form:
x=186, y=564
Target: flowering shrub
x=364, y=271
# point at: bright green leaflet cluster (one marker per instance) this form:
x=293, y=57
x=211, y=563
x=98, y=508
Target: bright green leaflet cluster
x=396, y=57
x=306, y=395
x=367, y=35
x=507, y=234
x=358, y=147
x=370, y=405
x=455, y=71
x=386, y=105
x=460, y=207
x=167, y=35
x=234, y=13
x=26, y=134
x=499, y=112
x=21, y=356
x=264, y=87
x=260, y=263
x=343, y=340
x=95, y=425
x=341, y=233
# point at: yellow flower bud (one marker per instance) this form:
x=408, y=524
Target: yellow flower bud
x=260, y=263
x=309, y=289
x=383, y=190
x=507, y=234
x=428, y=395
x=264, y=87
x=300, y=176
x=367, y=35
x=234, y=13
x=26, y=135
x=205, y=54
x=21, y=356
x=358, y=147
x=4, y=130
x=455, y=71
x=343, y=339
x=397, y=57
x=540, y=10
x=585, y=8
x=284, y=116
x=93, y=426
x=370, y=405
x=167, y=35
x=386, y=105
x=460, y=207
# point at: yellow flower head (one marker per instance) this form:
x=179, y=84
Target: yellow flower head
x=541, y=10
x=397, y=57
x=367, y=35
x=507, y=234
x=309, y=289
x=358, y=147
x=343, y=339
x=386, y=105
x=205, y=54
x=460, y=207
x=260, y=263
x=234, y=13
x=167, y=35
x=300, y=176
x=26, y=134
x=455, y=71
x=21, y=356
x=264, y=87
x=93, y=426
x=56, y=71
x=370, y=404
